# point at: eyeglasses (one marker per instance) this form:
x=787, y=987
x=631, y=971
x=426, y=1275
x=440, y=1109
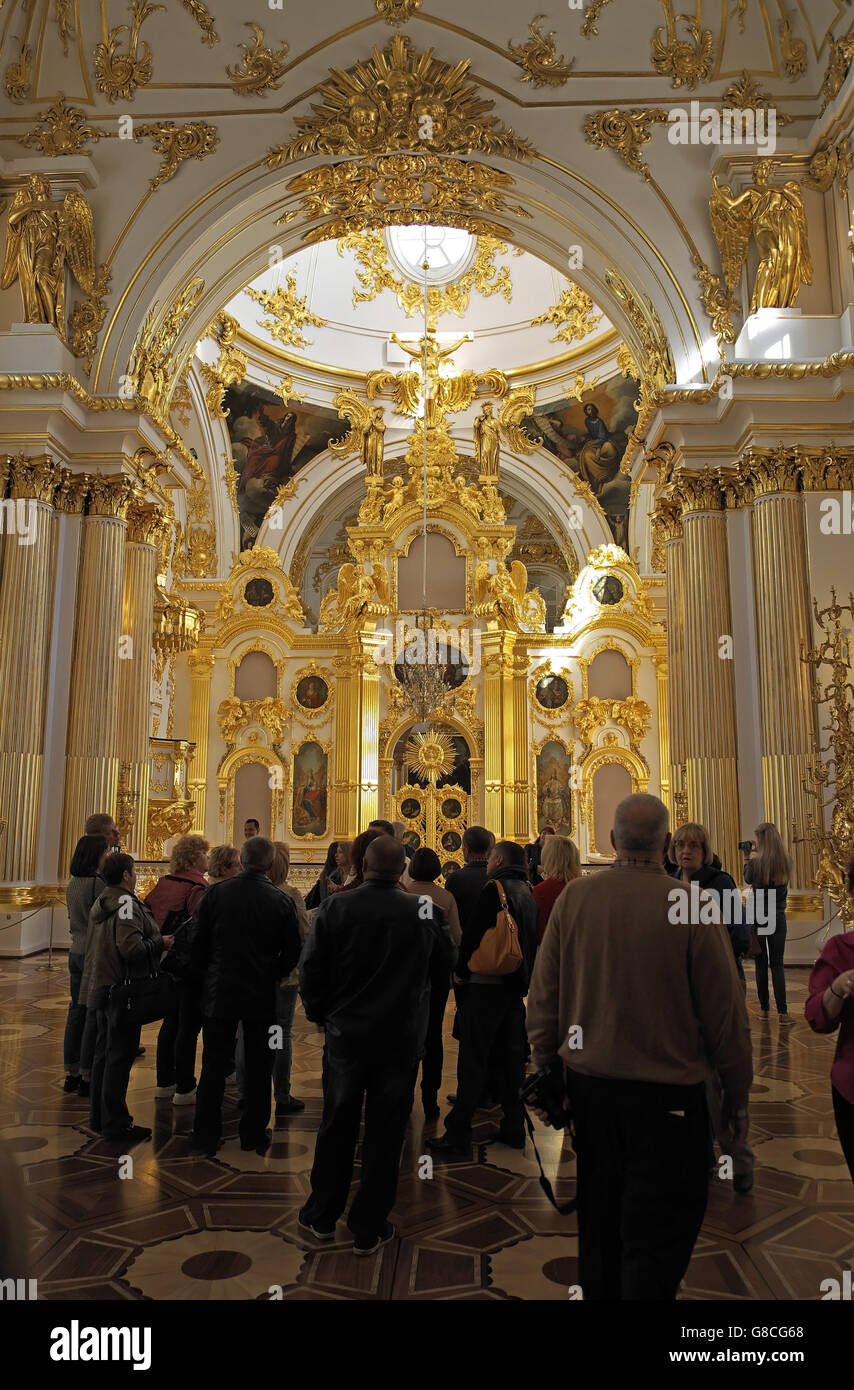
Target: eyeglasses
x=688, y=844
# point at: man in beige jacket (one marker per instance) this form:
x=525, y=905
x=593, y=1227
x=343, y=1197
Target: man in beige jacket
x=642, y=1007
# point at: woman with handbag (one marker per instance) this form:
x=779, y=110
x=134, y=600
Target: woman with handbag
x=767, y=868
x=81, y=1026
x=123, y=947
x=172, y=902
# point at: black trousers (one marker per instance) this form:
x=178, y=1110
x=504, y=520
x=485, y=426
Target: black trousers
x=492, y=1051
x=115, y=1050
x=843, y=1110
x=643, y=1183
x=385, y=1086
x=219, y=1035
x=773, y=949
x=177, y=1039
x=434, y=1050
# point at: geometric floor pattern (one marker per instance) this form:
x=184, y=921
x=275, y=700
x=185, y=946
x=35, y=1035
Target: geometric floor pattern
x=183, y=1227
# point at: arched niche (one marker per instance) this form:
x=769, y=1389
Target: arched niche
x=256, y=677
x=609, y=676
x=252, y=797
x=446, y=575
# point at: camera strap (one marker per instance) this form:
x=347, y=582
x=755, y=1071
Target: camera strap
x=564, y=1208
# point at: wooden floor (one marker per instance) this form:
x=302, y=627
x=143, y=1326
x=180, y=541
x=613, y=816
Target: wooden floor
x=191, y=1228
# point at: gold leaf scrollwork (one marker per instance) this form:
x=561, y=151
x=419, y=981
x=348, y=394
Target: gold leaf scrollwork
x=401, y=99
x=260, y=68
x=794, y=51
x=537, y=57
x=87, y=318
x=120, y=74
x=625, y=132
x=375, y=275
x=686, y=62
x=177, y=143
x=61, y=130
x=203, y=18
x=831, y=163
x=591, y=15
x=396, y=11
x=153, y=368
x=19, y=75
x=573, y=316
x=64, y=23
x=838, y=63
x=229, y=370
x=718, y=303
x=289, y=313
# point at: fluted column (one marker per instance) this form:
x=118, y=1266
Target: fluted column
x=144, y=523
x=346, y=750
x=660, y=664
x=369, y=729
x=201, y=665
x=92, y=761
x=25, y=609
x=786, y=710
x=674, y=559
x=710, y=740
x=497, y=650
x=521, y=823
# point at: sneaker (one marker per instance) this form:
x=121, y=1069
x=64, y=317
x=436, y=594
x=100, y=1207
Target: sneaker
x=164, y=1092
x=135, y=1135
x=71, y=1083
x=369, y=1245
x=184, y=1097
x=83, y=1089
x=785, y=1018
x=316, y=1231
x=289, y=1107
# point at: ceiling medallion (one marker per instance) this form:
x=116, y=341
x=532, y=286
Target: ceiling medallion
x=430, y=755
x=401, y=99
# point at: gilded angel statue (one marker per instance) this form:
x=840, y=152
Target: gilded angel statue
x=355, y=591
x=43, y=237
x=487, y=442
x=366, y=435
x=504, y=595
x=775, y=218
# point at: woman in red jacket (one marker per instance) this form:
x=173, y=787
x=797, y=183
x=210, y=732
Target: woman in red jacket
x=181, y=890
x=559, y=865
x=830, y=1006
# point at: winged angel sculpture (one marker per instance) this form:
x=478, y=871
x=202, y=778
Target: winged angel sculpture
x=366, y=435
x=775, y=218
x=356, y=591
x=504, y=595
x=43, y=237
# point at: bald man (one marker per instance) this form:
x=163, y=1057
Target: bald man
x=365, y=978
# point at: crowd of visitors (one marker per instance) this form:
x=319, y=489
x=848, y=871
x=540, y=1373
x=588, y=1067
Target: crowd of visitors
x=636, y=1015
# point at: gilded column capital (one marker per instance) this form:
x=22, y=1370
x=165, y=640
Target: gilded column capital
x=768, y=472
x=111, y=496
x=699, y=491
x=35, y=478
x=828, y=470
x=144, y=523
x=72, y=491
x=201, y=662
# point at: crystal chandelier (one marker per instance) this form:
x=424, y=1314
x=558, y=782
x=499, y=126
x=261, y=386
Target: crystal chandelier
x=423, y=680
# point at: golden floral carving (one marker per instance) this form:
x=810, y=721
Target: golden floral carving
x=654, y=366
x=111, y=496
x=718, y=303
x=537, y=57
x=37, y=478
x=794, y=51
x=19, y=75
x=271, y=713
x=831, y=163
x=838, y=63
x=387, y=102
x=591, y=15
x=625, y=132
x=397, y=11
x=153, y=367
x=260, y=68
x=289, y=313
x=64, y=23
x=573, y=316
x=87, y=318
x=145, y=523
x=745, y=95
x=175, y=143
x=165, y=820
x=686, y=62
x=119, y=74
x=60, y=130
x=230, y=368
x=203, y=18
x=376, y=275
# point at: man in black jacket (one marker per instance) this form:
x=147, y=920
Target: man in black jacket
x=246, y=939
x=491, y=1011
x=465, y=885
x=365, y=976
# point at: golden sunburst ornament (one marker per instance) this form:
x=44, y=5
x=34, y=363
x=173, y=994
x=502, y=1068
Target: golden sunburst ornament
x=430, y=755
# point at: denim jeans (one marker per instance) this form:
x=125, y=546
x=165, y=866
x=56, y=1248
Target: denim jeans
x=81, y=1024
x=772, y=948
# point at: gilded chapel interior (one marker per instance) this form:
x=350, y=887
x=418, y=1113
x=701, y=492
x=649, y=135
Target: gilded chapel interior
x=422, y=411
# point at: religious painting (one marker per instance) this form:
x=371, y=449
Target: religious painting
x=410, y=808
x=591, y=438
x=554, y=787
x=258, y=593
x=312, y=692
x=552, y=692
x=310, y=776
x=451, y=808
x=412, y=838
x=270, y=443
x=451, y=841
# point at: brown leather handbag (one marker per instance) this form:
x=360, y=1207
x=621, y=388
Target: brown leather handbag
x=499, y=952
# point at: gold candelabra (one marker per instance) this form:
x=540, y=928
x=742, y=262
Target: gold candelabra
x=830, y=781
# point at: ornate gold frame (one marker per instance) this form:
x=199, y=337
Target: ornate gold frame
x=538, y=711
x=610, y=644
x=228, y=768
x=552, y=736
x=324, y=711
x=296, y=747
x=255, y=644
x=635, y=765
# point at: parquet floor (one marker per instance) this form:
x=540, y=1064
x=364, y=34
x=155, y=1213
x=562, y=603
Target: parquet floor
x=189, y=1228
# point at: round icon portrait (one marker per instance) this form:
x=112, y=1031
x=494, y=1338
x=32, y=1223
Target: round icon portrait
x=552, y=692
x=312, y=692
x=410, y=809
x=451, y=808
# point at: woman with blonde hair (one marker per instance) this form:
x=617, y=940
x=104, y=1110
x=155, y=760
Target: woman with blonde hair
x=560, y=863
x=767, y=869
x=172, y=901
x=223, y=863
x=696, y=862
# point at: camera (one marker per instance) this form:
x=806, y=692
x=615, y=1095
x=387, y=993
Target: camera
x=546, y=1091
x=746, y=845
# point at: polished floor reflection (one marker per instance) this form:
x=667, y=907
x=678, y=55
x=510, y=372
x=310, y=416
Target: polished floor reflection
x=189, y=1228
